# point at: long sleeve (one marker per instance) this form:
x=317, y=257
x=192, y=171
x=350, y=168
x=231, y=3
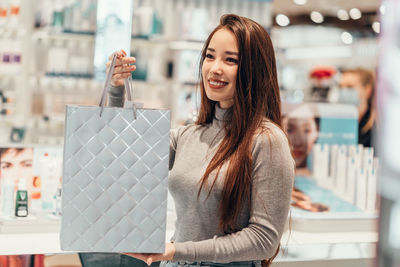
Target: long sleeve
x=273, y=174
x=116, y=96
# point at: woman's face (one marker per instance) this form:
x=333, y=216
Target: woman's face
x=353, y=80
x=17, y=165
x=302, y=133
x=220, y=68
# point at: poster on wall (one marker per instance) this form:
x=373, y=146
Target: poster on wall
x=307, y=124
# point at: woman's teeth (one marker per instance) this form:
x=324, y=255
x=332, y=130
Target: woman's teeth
x=217, y=83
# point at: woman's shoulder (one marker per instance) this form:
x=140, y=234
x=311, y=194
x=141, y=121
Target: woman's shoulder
x=184, y=130
x=269, y=134
x=271, y=140
x=270, y=130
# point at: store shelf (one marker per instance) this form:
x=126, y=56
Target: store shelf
x=44, y=34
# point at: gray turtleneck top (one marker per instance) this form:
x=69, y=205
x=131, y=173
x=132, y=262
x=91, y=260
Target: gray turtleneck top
x=197, y=237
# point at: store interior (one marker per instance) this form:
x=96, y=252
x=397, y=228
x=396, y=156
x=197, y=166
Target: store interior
x=53, y=53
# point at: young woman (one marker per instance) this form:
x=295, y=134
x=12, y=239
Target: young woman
x=231, y=173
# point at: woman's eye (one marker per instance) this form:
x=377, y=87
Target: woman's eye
x=209, y=56
x=5, y=165
x=233, y=60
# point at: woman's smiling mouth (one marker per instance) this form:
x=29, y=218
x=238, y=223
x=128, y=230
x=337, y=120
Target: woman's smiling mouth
x=217, y=83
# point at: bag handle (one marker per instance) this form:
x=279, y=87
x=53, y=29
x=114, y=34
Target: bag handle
x=107, y=84
x=129, y=93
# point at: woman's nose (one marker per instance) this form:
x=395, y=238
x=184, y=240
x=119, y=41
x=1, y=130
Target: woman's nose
x=298, y=139
x=216, y=67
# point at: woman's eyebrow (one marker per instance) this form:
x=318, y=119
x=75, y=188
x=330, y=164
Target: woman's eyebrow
x=226, y=52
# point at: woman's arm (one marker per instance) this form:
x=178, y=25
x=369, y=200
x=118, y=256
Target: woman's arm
x=123, y=69
x=273, y=174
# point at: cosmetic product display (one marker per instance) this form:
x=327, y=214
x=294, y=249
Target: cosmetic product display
x=352, y=173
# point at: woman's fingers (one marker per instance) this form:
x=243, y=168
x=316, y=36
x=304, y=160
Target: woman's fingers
x=121, y=76
x=120, y=53
x=125, y=60
x=124, y=69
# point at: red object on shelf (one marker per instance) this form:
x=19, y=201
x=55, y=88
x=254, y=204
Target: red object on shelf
x=322, y=73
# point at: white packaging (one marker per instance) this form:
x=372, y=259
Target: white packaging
x=316, y=151
x=320, y=165
x=359, y=156
x=333, y=162
x=361, y=197
x=50, y=164
x=368, y=158
x=351, y=180
x=371, y=189
x=341, y=171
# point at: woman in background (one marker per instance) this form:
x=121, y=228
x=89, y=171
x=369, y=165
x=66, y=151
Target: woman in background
x=363, y=81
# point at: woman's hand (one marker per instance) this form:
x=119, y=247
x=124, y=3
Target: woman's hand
x=123, y=68
x=150, y=258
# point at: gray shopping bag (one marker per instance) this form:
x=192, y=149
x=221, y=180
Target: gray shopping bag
x=115, y=171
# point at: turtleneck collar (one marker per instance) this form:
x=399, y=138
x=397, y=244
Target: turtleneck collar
x=219, y=116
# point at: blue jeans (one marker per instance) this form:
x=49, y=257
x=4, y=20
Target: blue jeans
x=111, y=260
x=211, y=264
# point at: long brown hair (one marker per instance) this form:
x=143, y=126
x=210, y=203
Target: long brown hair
x=256, y=98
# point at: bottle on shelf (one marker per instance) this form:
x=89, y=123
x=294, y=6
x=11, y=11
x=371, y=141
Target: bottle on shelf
x=21, y=200
x=7, y=196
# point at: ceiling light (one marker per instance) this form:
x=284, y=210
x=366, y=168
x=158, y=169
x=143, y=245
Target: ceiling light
x=342, y=14
x=300, y=2
x=347, y=38
x=355, y=13
x=376, y=26
x=282, y=20
x=382, y=9
x=317, y=17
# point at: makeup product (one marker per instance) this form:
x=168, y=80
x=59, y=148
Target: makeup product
x=333, y=162
x=361, y=189
x=368, y=158
x=21, y=200
x=341, y=171
x=320, y=164
x=371, y=189
x=351, y=179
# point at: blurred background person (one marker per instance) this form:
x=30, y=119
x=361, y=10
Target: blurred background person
x=302, y=128
x=363, y=82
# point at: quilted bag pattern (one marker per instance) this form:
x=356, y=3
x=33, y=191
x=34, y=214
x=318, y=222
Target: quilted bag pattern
x=115, y=173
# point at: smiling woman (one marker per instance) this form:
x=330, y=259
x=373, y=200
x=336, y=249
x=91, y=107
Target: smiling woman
x=235, y=157
x=220, y=68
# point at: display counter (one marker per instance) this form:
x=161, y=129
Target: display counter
x=297, y=248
